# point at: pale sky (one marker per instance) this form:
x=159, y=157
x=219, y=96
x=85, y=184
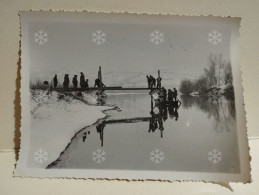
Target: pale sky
x=127, y=48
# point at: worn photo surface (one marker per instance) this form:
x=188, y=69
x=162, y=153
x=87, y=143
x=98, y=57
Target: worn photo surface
x=131, y=96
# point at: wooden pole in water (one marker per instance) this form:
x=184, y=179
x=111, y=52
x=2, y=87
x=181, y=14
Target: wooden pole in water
x=100, y=77
x=159, y=78
x=152, y=103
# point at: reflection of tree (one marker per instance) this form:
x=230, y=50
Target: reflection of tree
x=202, y=103
x=232, y=108
x=223, y=111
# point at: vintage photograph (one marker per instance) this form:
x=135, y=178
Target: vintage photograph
x=131, y=96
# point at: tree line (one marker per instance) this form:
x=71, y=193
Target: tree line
x=218, y=73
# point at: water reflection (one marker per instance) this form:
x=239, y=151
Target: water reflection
x=156, y=122
x=173, y=112
x=99, y=129
x=185, y=133
x=158, y=115
x=221, y=110
x=85, y=135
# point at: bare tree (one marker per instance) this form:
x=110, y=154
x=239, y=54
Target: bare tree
x=211, y=77
x=210, y=72
x=228, y=73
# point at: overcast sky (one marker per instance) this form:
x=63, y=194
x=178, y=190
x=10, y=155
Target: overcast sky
x=127, y=48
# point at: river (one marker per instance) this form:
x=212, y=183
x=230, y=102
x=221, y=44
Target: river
x=131, y=132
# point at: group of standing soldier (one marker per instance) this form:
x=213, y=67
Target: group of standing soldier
x=153, y=83
x=82, y=81
x=172, y=95
x=169, y=95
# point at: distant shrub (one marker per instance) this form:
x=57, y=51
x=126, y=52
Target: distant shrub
x=211, y=77
x=186, y=86
x=39, y=85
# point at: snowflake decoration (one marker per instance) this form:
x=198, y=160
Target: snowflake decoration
x=98, y=156
x=41, y=37
x=40, y=156
x=157, y=156
x=99, y=37
x=214, y=156
x=156, y=37
x=215, y=37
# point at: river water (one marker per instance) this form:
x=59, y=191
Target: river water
x=131, y=132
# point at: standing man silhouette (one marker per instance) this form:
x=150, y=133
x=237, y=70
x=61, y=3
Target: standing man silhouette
x=159, y=79
x=148, y=81
x=175, y=94
x=75, y=82
x=82, y=80
x=55, y=81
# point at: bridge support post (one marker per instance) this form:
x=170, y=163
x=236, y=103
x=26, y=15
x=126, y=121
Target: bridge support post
x=159, y=78
x=100, y=77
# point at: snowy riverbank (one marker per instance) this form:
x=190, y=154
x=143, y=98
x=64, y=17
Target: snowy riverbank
x=55, y=118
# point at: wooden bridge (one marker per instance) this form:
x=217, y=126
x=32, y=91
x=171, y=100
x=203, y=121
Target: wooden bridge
x=102, y=87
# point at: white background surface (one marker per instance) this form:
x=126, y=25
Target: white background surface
x=32, y=186
x=9, y=46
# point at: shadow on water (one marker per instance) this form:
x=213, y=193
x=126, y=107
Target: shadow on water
x=158, y=115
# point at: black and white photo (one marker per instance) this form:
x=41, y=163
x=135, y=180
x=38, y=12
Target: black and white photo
x=132, y=96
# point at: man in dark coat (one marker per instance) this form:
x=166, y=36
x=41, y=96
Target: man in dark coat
x=175, y=94
x=151, y=81
x=66, y=81
x=97, y=83
x=148, y=81
x=154, y=82
x=55, y=81
x=82, y=80
x=163, y=94
x=159, y=79
x=75, y=82
x=170, y=95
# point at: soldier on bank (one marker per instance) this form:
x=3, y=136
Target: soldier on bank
x=82, y=80
x=66, y=81
x=159, y=79
x=175, y=93
x=148, y=81
x=74, y=81
x=55, y=81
